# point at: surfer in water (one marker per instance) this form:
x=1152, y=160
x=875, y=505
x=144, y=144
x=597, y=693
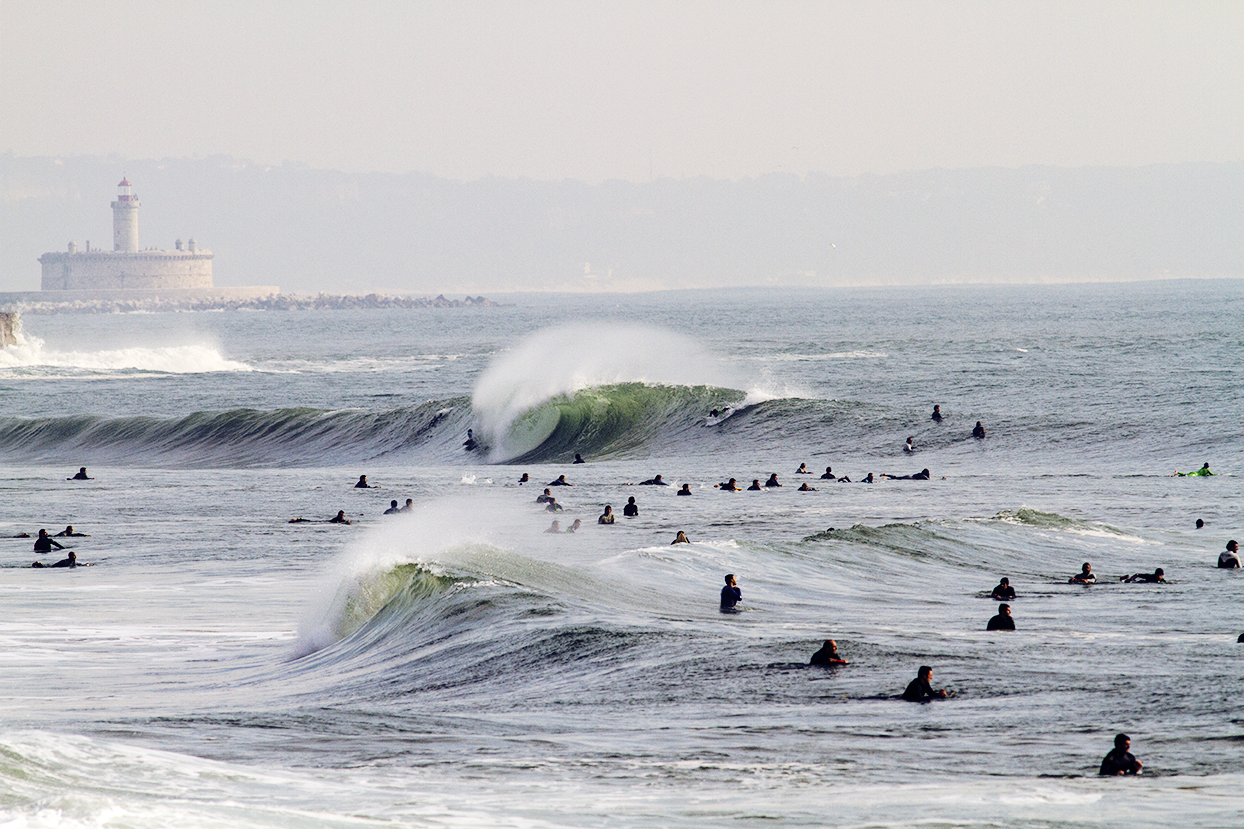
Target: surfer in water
x=829, y=474
x=827, y=656
x=802, y=470
x=551, y=505
x=1229, y=558
x=408, y=506
x=1003, y=620
x=805, y=488
x=81, y=476
x=72, y=561
x=469, y=444
x=44, y=543
x=681, y=538
x=578, y=458
x=1203, y=472
x=524, y=479
x=574, y=528
x=68, y=532
x=339, y=518
x=362, y=484
x=909, y=447
x=978, y=431
x=561, y=481
x=755, y=487
x=773, y=481
x=731, y=595
x=1004, y=591
x=555, y=527
x=607, y=516
x=731, y=485
x=631, y=510
x=937, y=414
x=655, y=480
x=1156, y=577
x=1120, y=761
x=686, y=490
x=922, y=475
x=1085, y=576
x=920, y=689
x=543, y=497
x=393, y=508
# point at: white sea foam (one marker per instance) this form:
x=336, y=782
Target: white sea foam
x=30, y=352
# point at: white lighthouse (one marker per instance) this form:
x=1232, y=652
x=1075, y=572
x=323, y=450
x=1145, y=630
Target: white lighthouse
x=125, y=219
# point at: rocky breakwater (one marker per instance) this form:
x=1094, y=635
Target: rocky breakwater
x=273, y=302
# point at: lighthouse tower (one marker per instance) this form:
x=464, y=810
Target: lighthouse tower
x=125, y=219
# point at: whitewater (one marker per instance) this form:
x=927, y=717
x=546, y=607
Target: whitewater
x=458, y=665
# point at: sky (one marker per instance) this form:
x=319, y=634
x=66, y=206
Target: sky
x=606, y=90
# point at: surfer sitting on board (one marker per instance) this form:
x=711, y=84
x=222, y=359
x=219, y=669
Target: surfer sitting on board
x=362, y=484
x=1085, y=576
x=631, y=510
x=731, y=595
x=1003, y=591
x=686, y=490
x=44, y=543
x=920, y=689
x=1229, y=558
x=829, y=474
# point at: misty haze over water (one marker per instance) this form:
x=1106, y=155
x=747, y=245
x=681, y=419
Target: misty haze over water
x=312, y=230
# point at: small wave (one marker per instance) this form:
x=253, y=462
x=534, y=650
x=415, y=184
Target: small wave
x=1052, y=520
x=235, y=437
x=835, y=355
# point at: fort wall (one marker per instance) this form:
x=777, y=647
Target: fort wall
x=112, y=271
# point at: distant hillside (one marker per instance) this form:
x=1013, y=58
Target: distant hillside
x=317, y=230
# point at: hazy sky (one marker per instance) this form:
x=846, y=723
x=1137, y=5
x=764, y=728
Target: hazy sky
x=623, y=90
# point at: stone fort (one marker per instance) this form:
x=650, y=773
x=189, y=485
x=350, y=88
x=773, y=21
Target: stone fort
x=186, y=269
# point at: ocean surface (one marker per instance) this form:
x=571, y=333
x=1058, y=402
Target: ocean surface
x=457, y=665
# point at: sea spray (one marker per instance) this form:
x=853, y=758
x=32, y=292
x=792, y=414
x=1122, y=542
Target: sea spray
x=568, y=359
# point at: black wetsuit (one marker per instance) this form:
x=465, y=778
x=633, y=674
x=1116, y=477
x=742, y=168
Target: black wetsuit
x=1001, y=622
x=978, y=431
x=919, y=690
x=755, y=487
x=683, y=492
x=65, y=562
x=730, y=596
x=558, y=482
x=81, y=476
x=825, y=657
x=542, y=498
x=653, y=482
x=1228, y=560
x=773, y=481
x=828, y=476
x=1119, y=761
x=1145, y=578
x=44, y=544
x=1003, y=594
x=630, y=511
x=937, y=417
x=729, y=486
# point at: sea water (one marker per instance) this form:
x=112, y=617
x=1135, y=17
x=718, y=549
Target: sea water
x=456, y=665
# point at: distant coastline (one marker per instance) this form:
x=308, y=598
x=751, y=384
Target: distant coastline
x=274, y=302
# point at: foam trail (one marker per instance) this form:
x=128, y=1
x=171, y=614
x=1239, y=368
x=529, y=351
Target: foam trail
x=29, y=352
x=571, y=358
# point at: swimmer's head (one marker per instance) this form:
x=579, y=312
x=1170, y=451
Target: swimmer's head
x=730, y=578
x=1231, y=545
x=1086, y=567
x=1004, y=609
x=1122, y=741
x=630, y=500
x=43, y=533
x=1199, y=523
x=925, y=671
x=1159, y=572
x=73, y=556
x=393, y=503
x=1005, y=580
